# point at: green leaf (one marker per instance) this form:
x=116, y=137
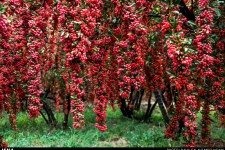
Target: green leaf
x=67, y=35
x=172, y=76
x=187, y=41
x=3, y=9
x=114, y=20
x=170, y=72
x=187, y=49
x=194, y=93
x=217, y=12
x=74, y=43
x=199, y=86
x=73, y=97
x=220, y=2
x=175, y=12
x=191, y=22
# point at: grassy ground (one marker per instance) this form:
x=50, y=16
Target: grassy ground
x=122, y=132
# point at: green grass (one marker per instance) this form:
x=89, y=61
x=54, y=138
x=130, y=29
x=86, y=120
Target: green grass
x=122, y=132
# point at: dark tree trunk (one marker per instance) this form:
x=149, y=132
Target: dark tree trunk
x=136, y=97
x=149, y=109
x=180, y=126
x=125, y=109
x=169, y=99
x=66, y=115
x=163, y=97
x=162, y=107
x=131, y=96
x=51, y=118
x=147, y=114
x=122, y=107
x=46, y=120
x=141, y=93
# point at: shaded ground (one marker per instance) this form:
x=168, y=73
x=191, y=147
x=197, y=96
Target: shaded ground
x=215, y=143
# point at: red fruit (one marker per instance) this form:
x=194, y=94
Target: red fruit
x=131, y=106
x=4, y=145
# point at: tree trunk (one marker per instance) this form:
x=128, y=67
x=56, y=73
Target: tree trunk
x=150, y=109
x=66, y=115
x=141, y=93
x=125, y=109
x=162, y=107
x=51, y=118
x=136, y=97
